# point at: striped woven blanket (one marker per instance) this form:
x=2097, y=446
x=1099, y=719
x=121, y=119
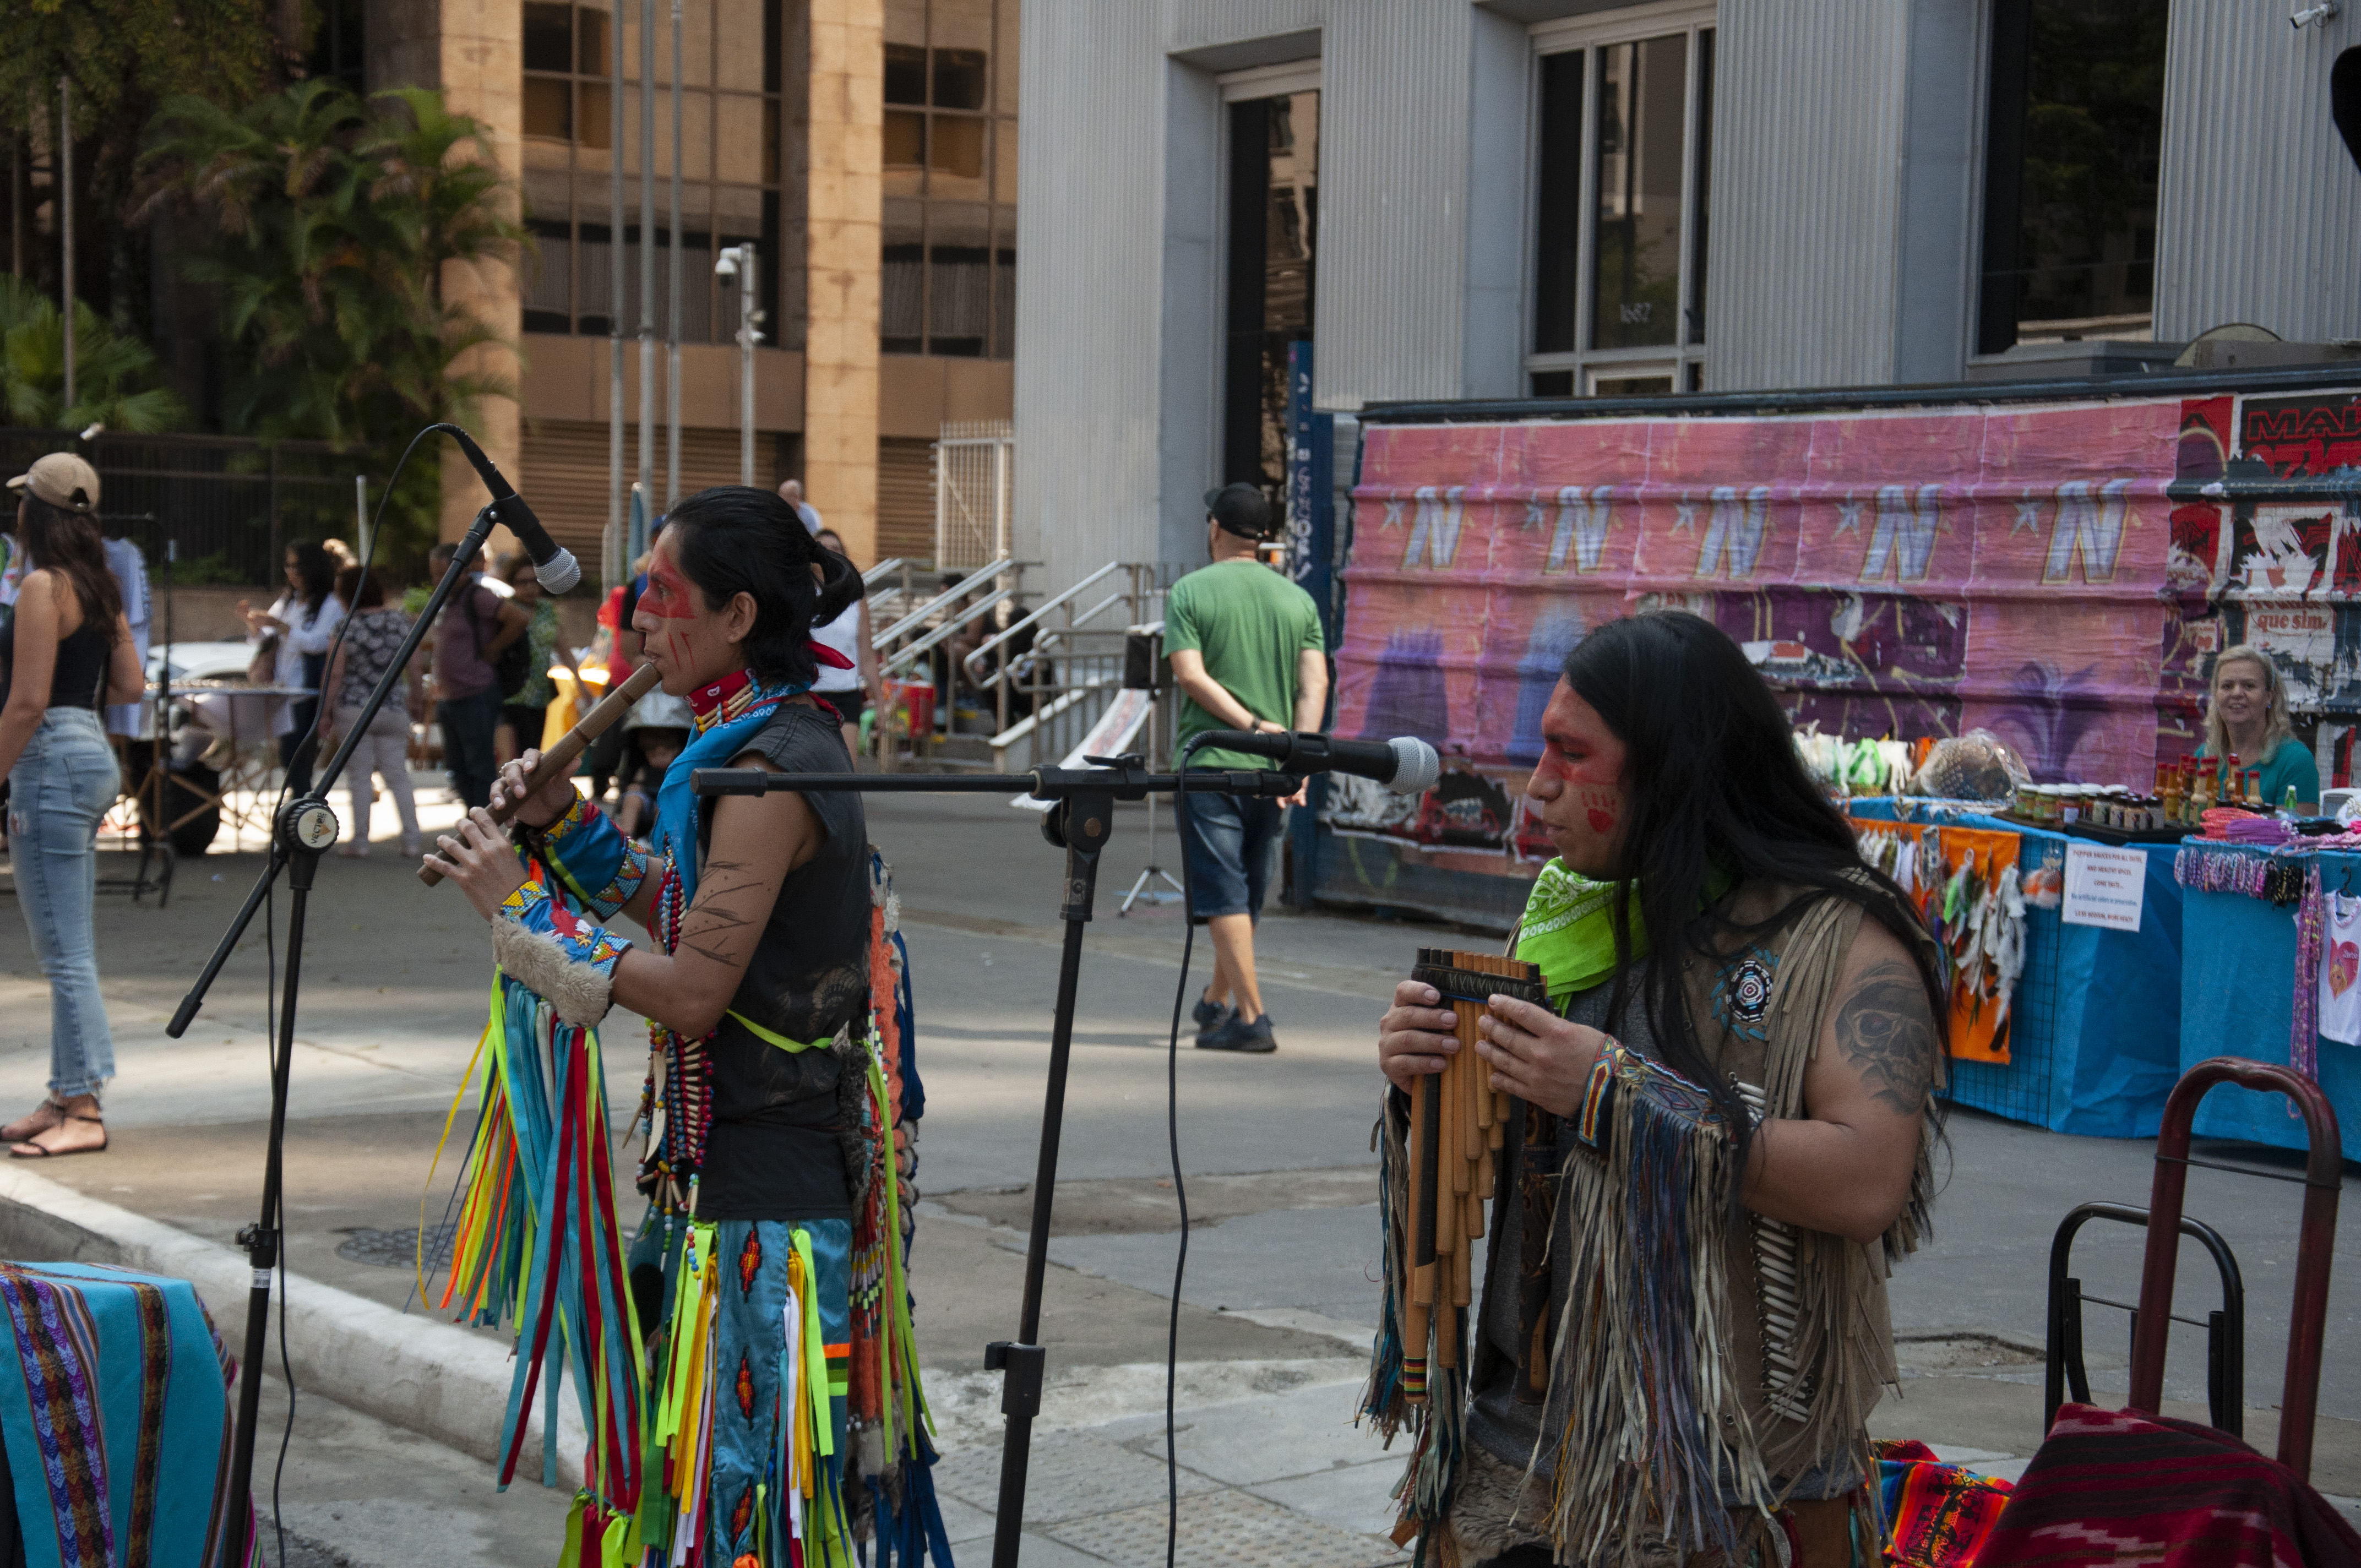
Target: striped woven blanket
x=115, y=1409
x=2120, y=1487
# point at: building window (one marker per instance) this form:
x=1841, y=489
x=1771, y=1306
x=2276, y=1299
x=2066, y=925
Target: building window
x=1273, y=239
x=2073, y=138
x=1623, y=131
x=949, y=282
x=731, y=187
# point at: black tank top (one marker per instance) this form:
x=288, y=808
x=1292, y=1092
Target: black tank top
x=773, y=1151
x=80, y=678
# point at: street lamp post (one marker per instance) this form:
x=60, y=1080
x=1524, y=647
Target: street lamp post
x=738, y=262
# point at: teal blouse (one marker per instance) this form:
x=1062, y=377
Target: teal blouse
x=2290, y=765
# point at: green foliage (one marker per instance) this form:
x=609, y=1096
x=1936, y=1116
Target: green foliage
x=125, y=55
x=205, y=571
x=115, y=374
x=331, y=219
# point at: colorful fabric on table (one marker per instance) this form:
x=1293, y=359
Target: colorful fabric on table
x=115, y=1409
x=2340, y=970
x=1937, y=1515
x=2303, y=1033
x=2115, y=1486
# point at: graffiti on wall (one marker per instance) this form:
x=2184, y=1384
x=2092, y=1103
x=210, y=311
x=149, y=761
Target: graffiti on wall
x=1906, y=574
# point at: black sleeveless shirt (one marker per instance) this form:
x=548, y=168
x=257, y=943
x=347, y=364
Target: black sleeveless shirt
x=80, y=678
x=772, y=1152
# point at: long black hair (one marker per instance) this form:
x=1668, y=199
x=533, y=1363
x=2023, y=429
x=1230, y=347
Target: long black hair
x=69, y=543
x=1712, y=781
x=735, y=539
x=317, y=570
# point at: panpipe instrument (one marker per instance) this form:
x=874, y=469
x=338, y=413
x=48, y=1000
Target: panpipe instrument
x=1457, y=1123
x=558, y=760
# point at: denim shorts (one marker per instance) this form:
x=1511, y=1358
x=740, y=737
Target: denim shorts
x=1231, y=843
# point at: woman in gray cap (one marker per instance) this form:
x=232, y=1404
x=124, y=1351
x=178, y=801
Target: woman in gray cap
x=66, y=653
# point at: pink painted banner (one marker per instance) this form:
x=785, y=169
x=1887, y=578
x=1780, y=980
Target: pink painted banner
x=1898, y=574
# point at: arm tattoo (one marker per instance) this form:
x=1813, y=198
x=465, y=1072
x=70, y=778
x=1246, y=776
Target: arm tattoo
x=1884, y=1030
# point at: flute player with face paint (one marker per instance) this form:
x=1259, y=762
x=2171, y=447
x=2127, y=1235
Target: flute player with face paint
x=1734, y=995
x=754, y=976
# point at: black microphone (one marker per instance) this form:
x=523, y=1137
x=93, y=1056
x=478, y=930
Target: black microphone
x=559, y=571
x=1404, y=764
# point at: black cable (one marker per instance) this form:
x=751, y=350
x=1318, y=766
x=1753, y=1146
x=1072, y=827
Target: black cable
x=1172, y=1131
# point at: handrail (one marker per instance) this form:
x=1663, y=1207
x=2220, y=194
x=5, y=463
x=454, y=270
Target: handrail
x=918, y=614
x=879, y=570
x=903, y=656
x=1032, y=721
x=1046, y=606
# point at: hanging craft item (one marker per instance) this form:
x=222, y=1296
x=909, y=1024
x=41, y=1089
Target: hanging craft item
x=1982, y=928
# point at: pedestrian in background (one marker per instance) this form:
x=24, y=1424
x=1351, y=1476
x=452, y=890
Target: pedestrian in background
x=475, y=627
x=792, y=492
x=846, y=690
x=372, y=636
x=66, y=650
x=1247, y=653
x=525, y=714
x=290, y=642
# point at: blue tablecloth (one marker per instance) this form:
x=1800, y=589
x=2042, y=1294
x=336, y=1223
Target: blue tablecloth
x=2095, y=1027
x=2237, y=999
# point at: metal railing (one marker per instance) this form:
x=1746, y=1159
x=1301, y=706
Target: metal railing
x=1034, y=680
x=232, y=503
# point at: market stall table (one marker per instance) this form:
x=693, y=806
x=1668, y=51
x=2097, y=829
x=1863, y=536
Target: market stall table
x=2094, y=1033
x=2237, y=999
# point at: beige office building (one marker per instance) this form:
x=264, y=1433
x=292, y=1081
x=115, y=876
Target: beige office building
x=867, y=148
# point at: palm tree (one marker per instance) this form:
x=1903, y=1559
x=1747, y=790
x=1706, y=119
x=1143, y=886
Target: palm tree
x=114, y=375
x=332, y=218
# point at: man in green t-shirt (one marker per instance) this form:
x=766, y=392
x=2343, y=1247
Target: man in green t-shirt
x=1247, y=653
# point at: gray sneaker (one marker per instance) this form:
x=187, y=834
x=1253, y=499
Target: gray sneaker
x=1209, y=1012
x=1235, y=1034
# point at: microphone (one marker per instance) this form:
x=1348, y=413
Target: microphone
x=559, y=570
x=1404, y=764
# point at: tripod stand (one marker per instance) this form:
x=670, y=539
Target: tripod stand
x=1144, y=886
x=302, y=831
x=1081, y=823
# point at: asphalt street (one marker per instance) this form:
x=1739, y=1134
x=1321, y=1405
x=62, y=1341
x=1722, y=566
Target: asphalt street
x=1283, y=1259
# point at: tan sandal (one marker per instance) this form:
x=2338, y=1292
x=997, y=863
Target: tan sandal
x=50, y=1112
x=31, y=1150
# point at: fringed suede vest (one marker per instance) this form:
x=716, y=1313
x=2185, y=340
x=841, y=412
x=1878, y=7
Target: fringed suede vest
x=1695, y=1358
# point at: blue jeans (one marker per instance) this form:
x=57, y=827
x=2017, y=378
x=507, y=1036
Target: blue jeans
x=467, y=725
x=1231, y=843
x=59, y=789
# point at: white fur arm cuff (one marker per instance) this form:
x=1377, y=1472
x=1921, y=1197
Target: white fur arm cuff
x=579, y=990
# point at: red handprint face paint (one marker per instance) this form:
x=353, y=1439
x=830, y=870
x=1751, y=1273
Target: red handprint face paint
x=1576, y=789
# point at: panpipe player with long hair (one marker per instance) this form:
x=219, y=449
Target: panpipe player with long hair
x=1701, y=1096
x=757, y=1398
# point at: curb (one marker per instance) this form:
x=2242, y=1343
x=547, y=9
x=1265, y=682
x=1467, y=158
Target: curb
x=427, y=1377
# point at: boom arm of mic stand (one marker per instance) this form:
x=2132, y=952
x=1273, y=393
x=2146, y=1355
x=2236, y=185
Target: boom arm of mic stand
x=1042, y=783
x=478, y=531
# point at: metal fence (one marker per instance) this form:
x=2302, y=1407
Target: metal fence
x=974, y=473
x=230, y=503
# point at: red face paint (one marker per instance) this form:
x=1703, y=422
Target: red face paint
x=1601, y=822
x=667, y=594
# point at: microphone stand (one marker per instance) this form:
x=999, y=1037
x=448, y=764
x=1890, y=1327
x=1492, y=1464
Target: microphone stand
x=302, y=831
x=1081, y=823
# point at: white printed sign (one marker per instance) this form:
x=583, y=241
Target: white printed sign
x=2105, y=887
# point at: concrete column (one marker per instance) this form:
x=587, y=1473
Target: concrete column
x=843, y=182
x=479, y=54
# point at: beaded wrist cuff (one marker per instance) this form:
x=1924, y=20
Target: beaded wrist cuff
x=588, y=853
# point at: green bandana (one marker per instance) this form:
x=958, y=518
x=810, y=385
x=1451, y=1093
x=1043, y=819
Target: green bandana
x=1569, y=930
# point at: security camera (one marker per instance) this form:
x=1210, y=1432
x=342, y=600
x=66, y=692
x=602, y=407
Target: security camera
x=726, y=265
x=2313, y=15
